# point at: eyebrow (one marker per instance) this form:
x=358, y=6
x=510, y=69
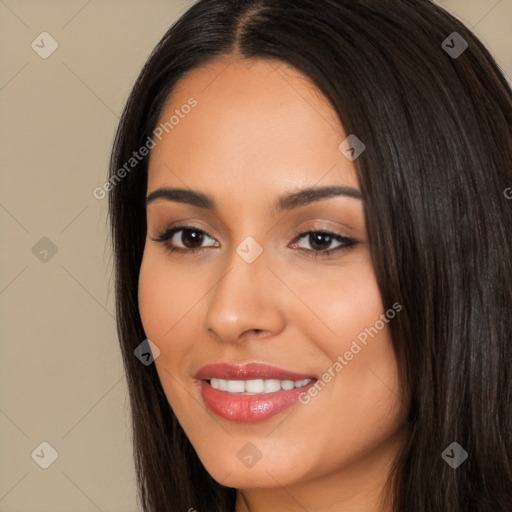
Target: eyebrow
x=284, y=203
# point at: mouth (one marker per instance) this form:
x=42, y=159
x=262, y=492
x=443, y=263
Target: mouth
x=250, y=392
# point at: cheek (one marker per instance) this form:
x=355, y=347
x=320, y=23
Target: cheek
x=342, y=303
x=166, y=296
x=154, y=302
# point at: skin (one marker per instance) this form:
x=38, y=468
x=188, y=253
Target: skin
x=260, y=130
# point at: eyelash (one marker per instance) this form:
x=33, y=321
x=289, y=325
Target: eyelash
x=347, y=243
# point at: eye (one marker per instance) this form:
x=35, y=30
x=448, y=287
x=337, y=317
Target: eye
x=321, y=243
x=190, y=239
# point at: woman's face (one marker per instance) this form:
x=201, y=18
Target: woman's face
x=263, y=287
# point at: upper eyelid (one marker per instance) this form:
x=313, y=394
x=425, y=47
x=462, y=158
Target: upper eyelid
x=183, y=227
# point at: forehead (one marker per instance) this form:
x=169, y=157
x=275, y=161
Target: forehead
x=254, y=122
x=266, y=82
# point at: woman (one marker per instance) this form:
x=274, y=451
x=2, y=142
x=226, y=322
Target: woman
x=309, y=224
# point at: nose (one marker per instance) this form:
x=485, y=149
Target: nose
x=247, y=300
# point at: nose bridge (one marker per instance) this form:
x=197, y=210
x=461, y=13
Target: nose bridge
x=242, y=300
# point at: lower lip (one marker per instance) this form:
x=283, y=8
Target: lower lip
x=250, y=408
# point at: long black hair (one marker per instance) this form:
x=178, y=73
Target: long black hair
x=435, y=117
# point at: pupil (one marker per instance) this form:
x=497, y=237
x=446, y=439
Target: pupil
x=316, y=241
x=190, y=237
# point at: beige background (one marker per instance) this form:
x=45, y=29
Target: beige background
x=60, y=367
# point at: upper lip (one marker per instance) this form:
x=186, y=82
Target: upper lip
x=248, y=371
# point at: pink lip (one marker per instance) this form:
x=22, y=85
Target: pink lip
x=249, y=408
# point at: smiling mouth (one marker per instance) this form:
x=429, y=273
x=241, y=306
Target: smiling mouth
x=250, y=391
x=256, y=386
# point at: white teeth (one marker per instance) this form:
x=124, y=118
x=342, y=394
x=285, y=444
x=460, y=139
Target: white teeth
x=256, y=386
x=272, y=385
x=287, y=384
x=235, y=386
